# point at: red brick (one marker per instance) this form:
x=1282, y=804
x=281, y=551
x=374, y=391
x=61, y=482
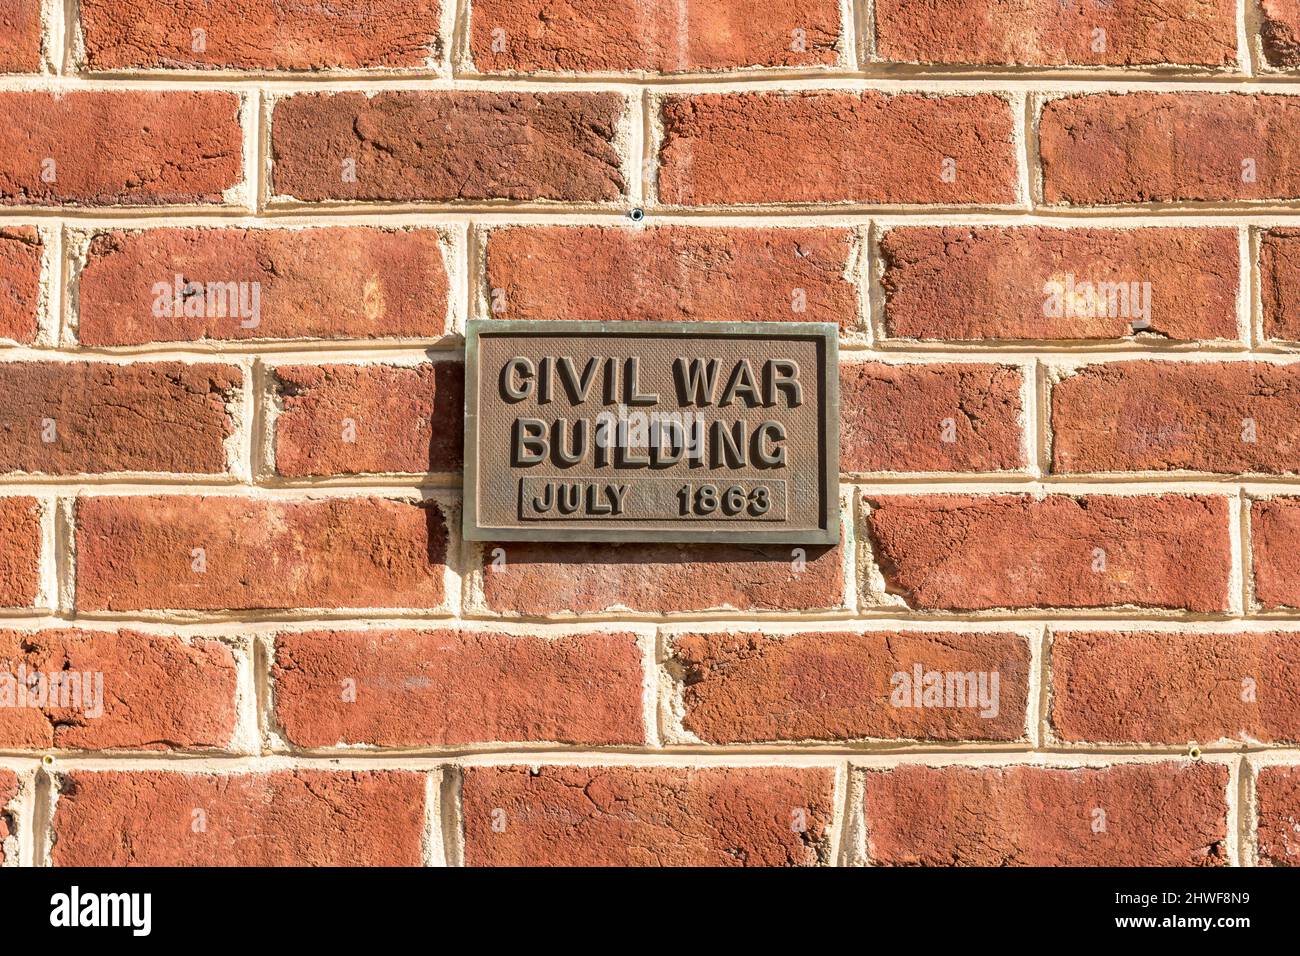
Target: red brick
x=451, y=687
x=552, y=578
x=1277, y=807
x=752, y=687
x=647, y=816
x=8, y=827
x=969, y=284
x=672, y=274
x=124, y=147
x=404, y=419
x=1279, y=268
x=20, y=551
x=930, y=418
x=835, y=146
x=1107, y=148
x=20, y=36
x=21, y=250
x=981, y=552
x=443, y=146
x=1225, y=417
x=102, y=417
x=1163, y=814
x=157, y=693
x=1162, y=688
x=248, y=35
x=1275, y=551
x=348, y=282
x=660, y=36
x=1025, y=32
x=282, y=818
x=1280, y=32
x=135, y=553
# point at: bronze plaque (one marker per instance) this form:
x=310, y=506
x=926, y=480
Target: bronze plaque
x=652, y=431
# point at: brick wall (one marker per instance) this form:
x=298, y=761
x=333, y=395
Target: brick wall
x=239, y=243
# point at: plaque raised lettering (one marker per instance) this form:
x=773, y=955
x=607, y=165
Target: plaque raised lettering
x=652, y=431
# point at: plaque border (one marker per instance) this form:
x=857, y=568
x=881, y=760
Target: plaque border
x=827, y=332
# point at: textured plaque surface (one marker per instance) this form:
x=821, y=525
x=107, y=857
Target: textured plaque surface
x=652, y=431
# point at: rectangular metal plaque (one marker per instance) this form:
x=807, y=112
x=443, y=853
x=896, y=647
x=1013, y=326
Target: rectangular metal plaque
x=652, y=431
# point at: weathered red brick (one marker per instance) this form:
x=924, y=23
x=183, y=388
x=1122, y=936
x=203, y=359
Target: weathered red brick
x=348, y=282
x=552, y=578
x=981, y=552
x=454, y=687
x=1105, y=148
x=282, y=818
x=21, y=250
x=970, y=283
x=930, y=418
x=131, y=691
x=751, y=687
x=20, y=36
x=1279, y=272
x=443, y=146
x=248, y=35
x=647, y=816
x=836, y=147
x=358, y=419
x=672, y=273
x=139, y=552
x=661, y=36
x=1025, y=32
x=1279, y=31
x=20, y=551
x=120, y=147
x=67, y=418
x=1277, y=807
x=1160, y=688
x=1275, y=551
x=1226, y=417
x=8, y=827
x=1161, y=814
